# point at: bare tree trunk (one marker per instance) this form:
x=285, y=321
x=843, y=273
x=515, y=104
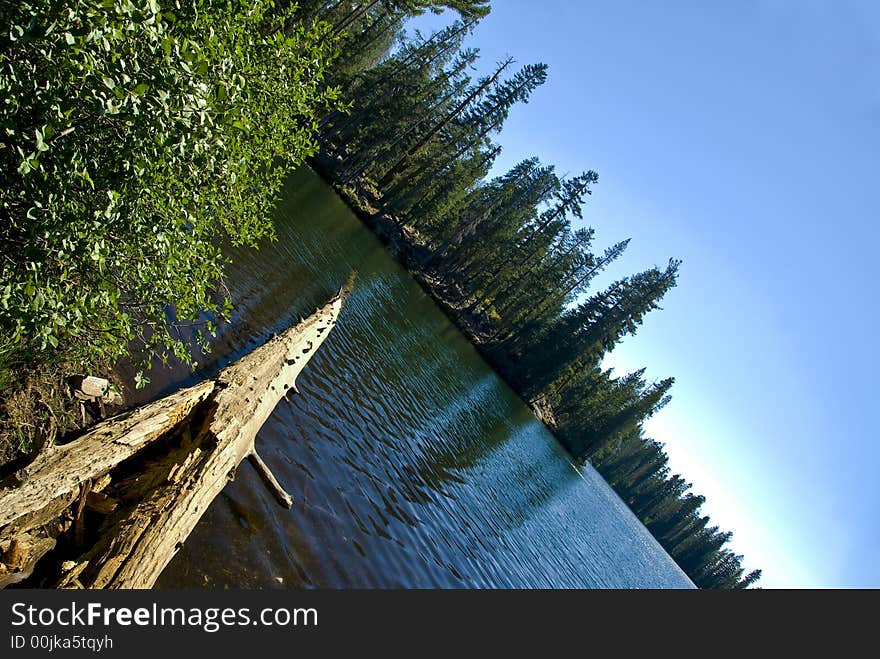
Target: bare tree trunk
x=197, y=438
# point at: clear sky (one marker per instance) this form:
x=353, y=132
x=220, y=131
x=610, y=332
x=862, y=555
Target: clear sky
x=742, y=137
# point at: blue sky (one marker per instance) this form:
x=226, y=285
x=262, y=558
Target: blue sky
x=743, y=138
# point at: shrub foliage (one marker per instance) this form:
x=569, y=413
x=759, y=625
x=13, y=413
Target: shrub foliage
x=135, y=138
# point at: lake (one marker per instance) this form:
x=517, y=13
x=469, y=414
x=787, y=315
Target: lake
x=411, y=464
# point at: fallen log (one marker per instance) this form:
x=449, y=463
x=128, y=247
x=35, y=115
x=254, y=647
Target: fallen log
x=159, y=467
x=61, y=469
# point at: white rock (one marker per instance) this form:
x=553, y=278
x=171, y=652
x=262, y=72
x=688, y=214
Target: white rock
x=94, y=387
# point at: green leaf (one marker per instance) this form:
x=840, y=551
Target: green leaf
x=41, y=145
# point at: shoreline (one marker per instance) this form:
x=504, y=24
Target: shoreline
x=388, y=229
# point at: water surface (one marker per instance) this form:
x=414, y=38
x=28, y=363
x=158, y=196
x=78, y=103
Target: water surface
x=410, y=463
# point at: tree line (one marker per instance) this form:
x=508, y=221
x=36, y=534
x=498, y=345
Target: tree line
x=510, y=255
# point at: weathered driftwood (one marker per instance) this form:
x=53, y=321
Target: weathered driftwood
x=30, y=537
x=168, y=461
x=61, y=469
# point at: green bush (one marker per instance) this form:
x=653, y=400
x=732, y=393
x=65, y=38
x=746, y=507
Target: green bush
x=135, y=138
